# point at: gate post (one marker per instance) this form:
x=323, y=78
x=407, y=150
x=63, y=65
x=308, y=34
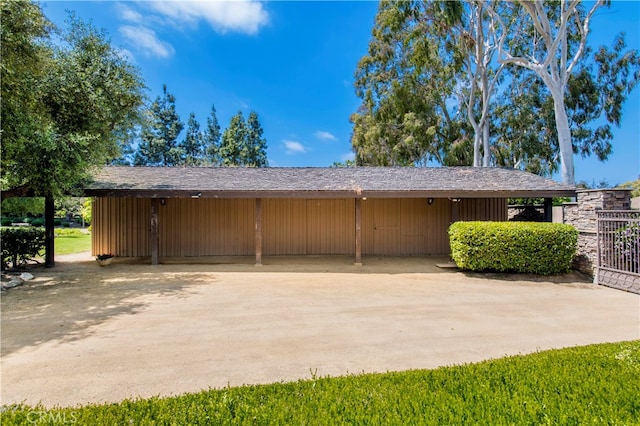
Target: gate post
x=583, y=215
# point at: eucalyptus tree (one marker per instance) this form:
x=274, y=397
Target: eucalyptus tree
x=427, y=83
x=458, y=83
x=480, y=44
x=406, y=81
x=550, y=40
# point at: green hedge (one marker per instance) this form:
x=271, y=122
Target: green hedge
x=20, y=245
x=525, y=247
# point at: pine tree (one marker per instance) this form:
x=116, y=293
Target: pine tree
x=192, y=145
x=158, y=145
x=233, y=140
x=211, y=139
x=254, y=152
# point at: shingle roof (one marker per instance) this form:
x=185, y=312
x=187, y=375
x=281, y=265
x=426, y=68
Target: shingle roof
x=313, y=182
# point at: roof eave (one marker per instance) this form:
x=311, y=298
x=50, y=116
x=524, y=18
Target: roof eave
x=443, y=193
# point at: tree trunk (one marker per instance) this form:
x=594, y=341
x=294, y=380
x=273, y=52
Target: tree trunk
x=564, y=137
x=485, y=140
x=476, y=148
x=49, y=245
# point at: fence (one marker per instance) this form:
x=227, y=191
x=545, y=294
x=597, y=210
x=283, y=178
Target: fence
x=618, y=260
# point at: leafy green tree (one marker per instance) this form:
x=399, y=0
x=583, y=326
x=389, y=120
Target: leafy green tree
x=550, y=40
x=21, y=207
x=192, y=146
x=407, y=81
x=86, y=211
x=445, y=82
x=211, y=139
x=523, y=126
x=159, y=137
x=524, y=119
x=233, y=141
x=65, y=103
x=254, y=150
x=26, y=57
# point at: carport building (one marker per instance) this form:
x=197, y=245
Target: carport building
x=161, y=212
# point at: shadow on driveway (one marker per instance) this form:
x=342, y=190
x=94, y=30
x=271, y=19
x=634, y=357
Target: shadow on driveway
x=67, y=305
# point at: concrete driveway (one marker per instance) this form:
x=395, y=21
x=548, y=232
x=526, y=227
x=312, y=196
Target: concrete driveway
x=82, y=334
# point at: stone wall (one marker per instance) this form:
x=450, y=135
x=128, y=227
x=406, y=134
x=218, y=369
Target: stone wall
x=582, y=214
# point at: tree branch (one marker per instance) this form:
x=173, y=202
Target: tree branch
x=18, y=191
x=584, y=31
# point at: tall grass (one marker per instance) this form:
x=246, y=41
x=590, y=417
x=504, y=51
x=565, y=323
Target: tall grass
x=598, y=384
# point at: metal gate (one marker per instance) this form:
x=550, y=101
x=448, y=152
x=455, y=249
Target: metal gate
x=618, y=263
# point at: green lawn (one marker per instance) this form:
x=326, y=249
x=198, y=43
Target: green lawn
x=598, y=384
x=68, y=242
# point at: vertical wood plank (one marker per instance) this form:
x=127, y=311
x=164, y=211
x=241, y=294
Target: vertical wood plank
x=358, y=231
x=258, y=235
x=155, y=260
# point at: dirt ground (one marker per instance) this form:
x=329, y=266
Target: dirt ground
x=80, y=333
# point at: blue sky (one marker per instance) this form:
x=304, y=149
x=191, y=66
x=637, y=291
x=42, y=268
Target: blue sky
x=293, y=63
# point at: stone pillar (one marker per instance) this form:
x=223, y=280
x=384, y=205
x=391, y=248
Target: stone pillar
x=583, y=215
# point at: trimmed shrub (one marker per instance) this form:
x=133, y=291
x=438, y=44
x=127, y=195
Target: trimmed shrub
x=524, y=247
x=6, y=221
x=37, y=222
x=20, y=245
x=70, y=232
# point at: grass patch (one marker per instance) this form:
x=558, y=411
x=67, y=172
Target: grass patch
x=597, y=384
x=70, y=241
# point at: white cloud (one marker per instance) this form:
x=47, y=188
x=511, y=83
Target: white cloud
x=324, y=136
x=294, y=147
x=128, y=14
x=245, y=16
x=145, y=39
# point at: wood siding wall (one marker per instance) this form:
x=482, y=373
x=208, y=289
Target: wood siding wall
x=495, y=209
x=294, y=226
x=408, y=226
x=209, y=227
x=121, y=226
x=188, y=227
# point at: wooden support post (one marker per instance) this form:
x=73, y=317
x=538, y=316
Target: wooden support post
x=358, y=232
x=155, y=240
x=548, y=210
x=49, y=236
x=258, y=231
